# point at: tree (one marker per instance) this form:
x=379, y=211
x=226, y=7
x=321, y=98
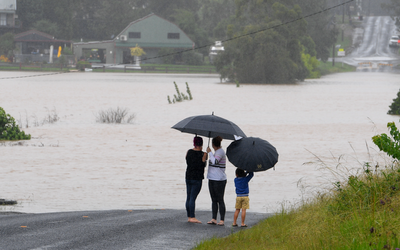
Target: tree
x=393, y=7
x=61, y=13
x=137, y=51
x=29, y=12
x=395, y=106
x=319, y=26
x=47, y=26
x=6, y=43
x=215, y=15
x=269, y=55
x=189, y=23
x=114, y=16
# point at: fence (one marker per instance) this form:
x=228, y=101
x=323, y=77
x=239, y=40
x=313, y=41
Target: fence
x=33, y=66
x=43, y=58
x=39, y=66
x=157, y=69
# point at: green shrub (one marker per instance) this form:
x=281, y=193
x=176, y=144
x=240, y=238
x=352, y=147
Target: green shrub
x=389, y=144
x=82, y=65
x=9, y=130
x=67, y=51
x=192, y=58
x=395, y=106
x=170, y=59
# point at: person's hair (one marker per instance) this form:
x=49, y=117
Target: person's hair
x=198, y=141
x=240, y=172
x=216, y=141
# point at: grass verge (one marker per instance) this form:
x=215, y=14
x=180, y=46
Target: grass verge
x=326, y=68
x=363, y=212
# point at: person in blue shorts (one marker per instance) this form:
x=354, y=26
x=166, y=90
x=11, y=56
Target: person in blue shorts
x=242, y=195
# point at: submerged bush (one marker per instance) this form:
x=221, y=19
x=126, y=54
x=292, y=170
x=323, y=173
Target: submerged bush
x=180, y=96
x=9, y=130
x=118, y=115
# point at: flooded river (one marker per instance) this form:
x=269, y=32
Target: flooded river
x=79, y=164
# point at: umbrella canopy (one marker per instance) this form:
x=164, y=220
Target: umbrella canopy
x=210, y=126
x=252, y=154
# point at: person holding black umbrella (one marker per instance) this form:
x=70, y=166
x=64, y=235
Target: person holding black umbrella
x=196, y=162
x=217, y=180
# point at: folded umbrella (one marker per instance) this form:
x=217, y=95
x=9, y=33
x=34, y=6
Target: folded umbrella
x=252, y=154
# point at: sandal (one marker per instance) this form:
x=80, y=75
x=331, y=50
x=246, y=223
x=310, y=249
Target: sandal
x=234, y=225
x=221, y=224
x=212, y=222
x=244, y=225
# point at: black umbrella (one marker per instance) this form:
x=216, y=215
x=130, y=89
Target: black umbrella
x=210, y=126
x=252, y=154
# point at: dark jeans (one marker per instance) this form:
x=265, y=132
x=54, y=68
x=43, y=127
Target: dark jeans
x=193, y=188
x=217, y=191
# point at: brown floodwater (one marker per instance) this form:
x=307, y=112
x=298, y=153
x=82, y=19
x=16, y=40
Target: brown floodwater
x=321, y=128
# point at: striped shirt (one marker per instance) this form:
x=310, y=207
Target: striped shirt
x=216, y=166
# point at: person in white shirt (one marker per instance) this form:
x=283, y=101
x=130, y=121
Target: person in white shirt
x=217, y=180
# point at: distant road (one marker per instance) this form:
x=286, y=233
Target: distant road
x=108, y=230
x=374, y=46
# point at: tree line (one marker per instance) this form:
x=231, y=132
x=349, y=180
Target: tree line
x=281, y=53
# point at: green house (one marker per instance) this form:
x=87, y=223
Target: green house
x=151, y=33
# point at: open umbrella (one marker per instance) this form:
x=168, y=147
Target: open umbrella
x=252, y=154
x=210, y=126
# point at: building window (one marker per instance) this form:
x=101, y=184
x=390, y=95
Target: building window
x=134, y=34
x=173, y=35
x=3, y=19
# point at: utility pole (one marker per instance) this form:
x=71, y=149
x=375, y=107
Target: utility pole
x=369, y=8
x=343, y=21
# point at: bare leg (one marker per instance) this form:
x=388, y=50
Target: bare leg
x=194, y=220
x=235, y=216
x=212, y=222
x=243, y=216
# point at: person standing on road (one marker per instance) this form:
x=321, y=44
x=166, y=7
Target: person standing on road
x=217, y=180
x=196, y=162
x=242, y=191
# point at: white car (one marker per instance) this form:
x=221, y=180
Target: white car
x=394, y=41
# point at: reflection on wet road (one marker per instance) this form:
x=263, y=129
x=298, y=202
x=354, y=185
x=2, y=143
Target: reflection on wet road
x=374, y=46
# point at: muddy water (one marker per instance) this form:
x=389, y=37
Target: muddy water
x=79, y=164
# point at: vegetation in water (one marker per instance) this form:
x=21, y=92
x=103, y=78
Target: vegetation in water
x=9, y=130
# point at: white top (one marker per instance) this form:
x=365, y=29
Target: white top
x=216, y=166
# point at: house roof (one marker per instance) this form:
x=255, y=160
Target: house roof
x=36, y=36
x=154, y=30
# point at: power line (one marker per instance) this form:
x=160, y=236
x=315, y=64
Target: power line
x=252, y=33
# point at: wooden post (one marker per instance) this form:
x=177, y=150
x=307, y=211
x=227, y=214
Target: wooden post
x=124, y=68
x=166, y=69
x=104, y=68
x=187, y=69
x=20, y=66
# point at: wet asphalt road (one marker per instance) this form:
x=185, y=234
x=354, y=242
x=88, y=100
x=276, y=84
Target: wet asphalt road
x=117, y=229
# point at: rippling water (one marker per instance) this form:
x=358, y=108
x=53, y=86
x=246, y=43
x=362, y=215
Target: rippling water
x=78, y=164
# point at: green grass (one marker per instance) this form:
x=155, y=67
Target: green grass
x=146, y=68
x=326, y=68
x=361, y=213
x=13, y=67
